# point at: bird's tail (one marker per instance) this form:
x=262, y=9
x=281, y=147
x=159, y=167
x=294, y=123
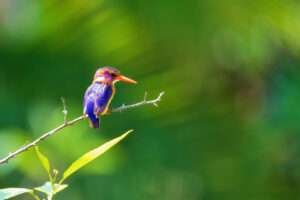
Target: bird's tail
x=93, y=119
x=94, y=123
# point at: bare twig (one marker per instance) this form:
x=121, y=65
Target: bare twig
x=41, y=138
x=73, y=121
x=64, y=111
x=141, y=103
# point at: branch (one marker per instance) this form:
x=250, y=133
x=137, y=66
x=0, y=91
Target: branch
x=141, y=103
x=74, y=121
x=64, y=111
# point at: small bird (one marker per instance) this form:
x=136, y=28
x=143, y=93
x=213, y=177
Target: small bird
x=99, y=94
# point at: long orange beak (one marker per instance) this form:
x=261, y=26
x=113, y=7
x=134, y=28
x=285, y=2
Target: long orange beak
x=125, y=79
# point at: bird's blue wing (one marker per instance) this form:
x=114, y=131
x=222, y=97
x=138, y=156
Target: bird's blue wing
x=96, y=101
x=104, y=99
x=90, y=106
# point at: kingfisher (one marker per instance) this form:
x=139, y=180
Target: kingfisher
x=100, y=93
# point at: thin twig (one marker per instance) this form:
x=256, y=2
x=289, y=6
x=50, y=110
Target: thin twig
x=141, y=103
x=41, y=138
x=73, y=121
x=64, y=111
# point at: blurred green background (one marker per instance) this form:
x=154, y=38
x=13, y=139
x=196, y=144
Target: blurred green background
x=227, y=128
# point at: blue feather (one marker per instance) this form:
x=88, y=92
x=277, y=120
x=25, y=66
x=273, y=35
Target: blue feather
x=96, y=101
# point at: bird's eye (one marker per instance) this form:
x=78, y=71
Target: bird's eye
x=114, y=75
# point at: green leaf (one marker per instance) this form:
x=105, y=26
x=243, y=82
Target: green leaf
x=44, y=161
x=8, y=193
x=91, y=155
x=51, y=189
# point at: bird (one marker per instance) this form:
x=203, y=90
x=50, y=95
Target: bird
x=99, y=94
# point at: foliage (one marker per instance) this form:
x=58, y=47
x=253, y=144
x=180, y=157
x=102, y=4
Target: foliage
x=54, y=186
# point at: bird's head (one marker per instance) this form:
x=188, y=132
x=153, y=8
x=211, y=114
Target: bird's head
x=110, y=75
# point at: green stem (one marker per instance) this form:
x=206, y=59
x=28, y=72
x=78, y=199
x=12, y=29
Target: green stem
x=49, y=197
x=34, y=196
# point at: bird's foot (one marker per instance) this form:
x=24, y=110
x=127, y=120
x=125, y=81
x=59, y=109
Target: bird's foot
x=107, y=112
